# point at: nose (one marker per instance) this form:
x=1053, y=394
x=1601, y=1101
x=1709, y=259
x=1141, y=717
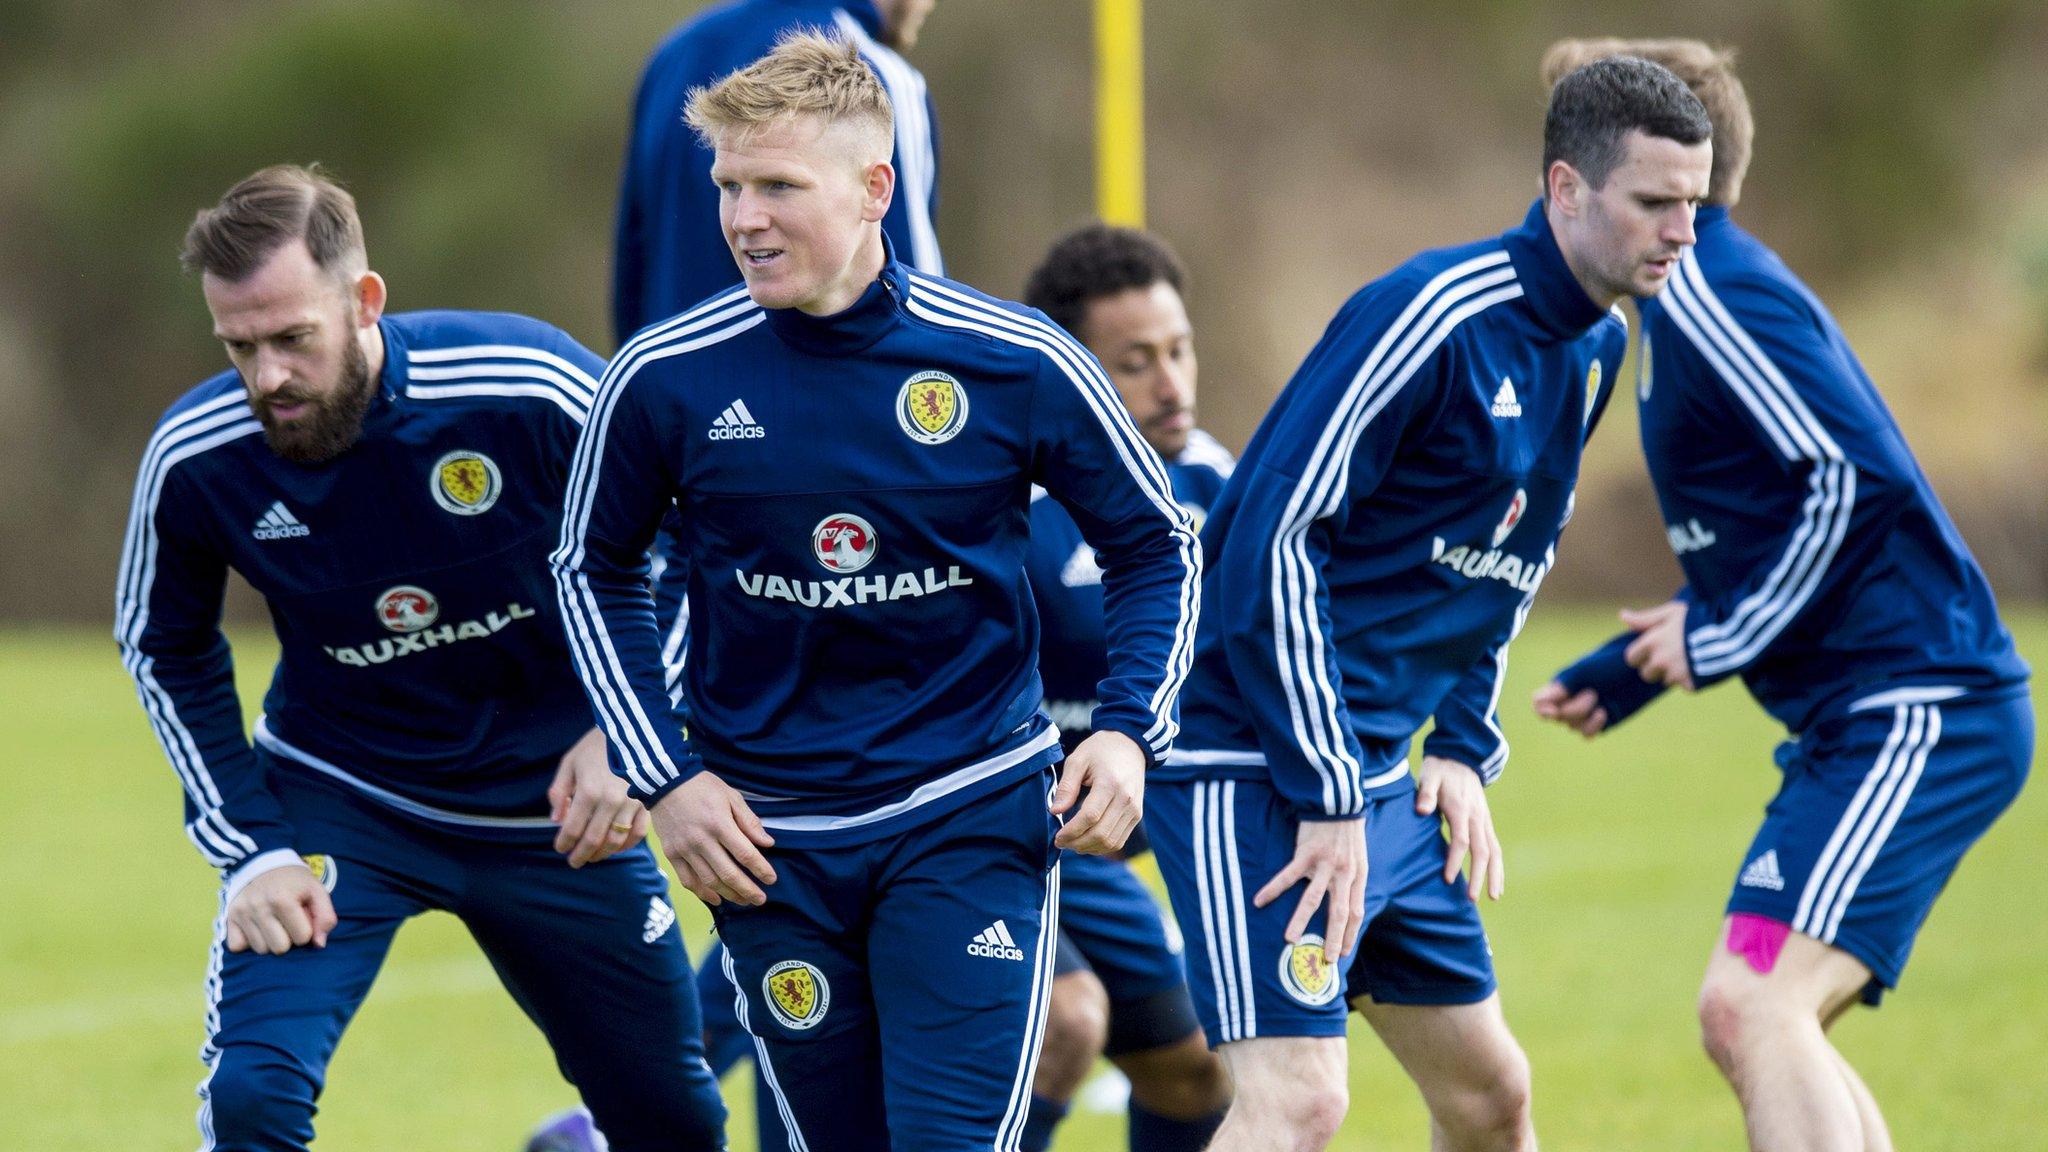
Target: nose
x=1679, y=229
x=749, y=214
x=272, y=373
x=1170, y=385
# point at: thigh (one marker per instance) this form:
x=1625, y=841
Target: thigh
x=379, y=869
x=292, y=1008
x=1876, y=812
x=1218, y=842
x=594, y=957
x=797, y=968
x=1424, y=943
x=1449, y=1049
x=961, y=951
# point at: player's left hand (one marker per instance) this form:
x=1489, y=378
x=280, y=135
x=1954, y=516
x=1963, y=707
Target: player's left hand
x=1579, y=711
x=1111, y=767
x=1455, y=790
x=1658, y=651
x=598, y=817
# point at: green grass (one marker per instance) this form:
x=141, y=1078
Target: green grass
x=1619, y=855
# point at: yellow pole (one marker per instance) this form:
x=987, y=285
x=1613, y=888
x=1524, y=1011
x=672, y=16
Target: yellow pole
x=1120, y=112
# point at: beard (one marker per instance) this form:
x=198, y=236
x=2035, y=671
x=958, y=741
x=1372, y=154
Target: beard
x=335, y=421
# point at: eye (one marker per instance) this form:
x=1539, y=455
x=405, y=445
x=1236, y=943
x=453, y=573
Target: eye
x=296, y=339
x=239, y=347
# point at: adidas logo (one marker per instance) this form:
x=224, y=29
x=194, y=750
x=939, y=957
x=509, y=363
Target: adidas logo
x=736, y=423
x=279, y=524
x=994, y=942
x=1763, y=873
x=1505, y=406
x=659, y=917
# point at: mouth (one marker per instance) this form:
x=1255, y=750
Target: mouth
x=1179, y=420
x=759, y=257
x=287, y=409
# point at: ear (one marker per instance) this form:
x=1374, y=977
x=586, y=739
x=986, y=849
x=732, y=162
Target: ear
x=879, y=188
x=370, y=296
x=1564, y=187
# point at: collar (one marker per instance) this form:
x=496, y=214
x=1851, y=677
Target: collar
x=1708, y=216
x=1552, y=294
x=854, y=328
x=863, y=12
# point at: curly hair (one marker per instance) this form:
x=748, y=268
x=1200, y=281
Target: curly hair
x=1096, y=261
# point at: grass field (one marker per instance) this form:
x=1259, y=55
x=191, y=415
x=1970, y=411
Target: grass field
x=1619, y=855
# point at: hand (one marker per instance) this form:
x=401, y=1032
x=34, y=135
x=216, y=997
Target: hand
x=1579, y=712
x=1330, y=855
x=1111, y=766
x=1658, y=652
x=715, y=841
x=1455, y=790
x=283, y=908
x=590, y=802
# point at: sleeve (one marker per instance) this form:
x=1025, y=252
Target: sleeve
x=620, y=489
x=629, y=231
x=1605, y=670
x=167, y=612
x=1326, y=446
x=1827, y=439
x=1090, y=457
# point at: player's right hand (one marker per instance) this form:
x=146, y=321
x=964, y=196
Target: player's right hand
x=714, y=841
x=1330, y=855
x=1580, y=712
x=280, y=909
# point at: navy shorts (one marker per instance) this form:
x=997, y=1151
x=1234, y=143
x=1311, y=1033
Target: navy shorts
x=1112, y=925
x=1877, y=807
x=897, y=989
x=592, y=955
x=1219, y=841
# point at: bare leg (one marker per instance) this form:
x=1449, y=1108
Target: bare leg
x=1184, y=1081
x=1291, y=1094
x=1076, y=1023
x=1472, y=1073
x=1767, y=1034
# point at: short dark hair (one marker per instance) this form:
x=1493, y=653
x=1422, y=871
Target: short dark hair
x=1594, y=108
x=1095, y=261
x=1708, y=71
x=269, y=209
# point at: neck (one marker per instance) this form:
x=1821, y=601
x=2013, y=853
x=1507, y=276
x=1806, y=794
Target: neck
x=372, y=340
x=1595, y=291
x=867, y=264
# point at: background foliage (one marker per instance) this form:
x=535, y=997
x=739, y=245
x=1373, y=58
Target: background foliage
x=1298, y=148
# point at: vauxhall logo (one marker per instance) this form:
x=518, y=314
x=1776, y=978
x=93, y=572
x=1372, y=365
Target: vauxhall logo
x=410, y=612
x=844, y=542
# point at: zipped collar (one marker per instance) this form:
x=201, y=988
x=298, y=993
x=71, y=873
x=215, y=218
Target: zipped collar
x=1551, y=294
x=877, y=312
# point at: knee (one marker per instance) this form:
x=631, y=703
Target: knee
x=1303, y=1113
x=1494, y=1114
x=683, y=1112
x=257, y=1098
x=1727, y=1022
x=1185, y=1082
x=1076, y=1025
x=1314, y=1115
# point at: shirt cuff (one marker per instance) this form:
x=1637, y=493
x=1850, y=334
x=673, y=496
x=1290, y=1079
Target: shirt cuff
x=256, y=866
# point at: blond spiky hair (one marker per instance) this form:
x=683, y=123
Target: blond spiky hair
x=1708, y=71
x=809, y=73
